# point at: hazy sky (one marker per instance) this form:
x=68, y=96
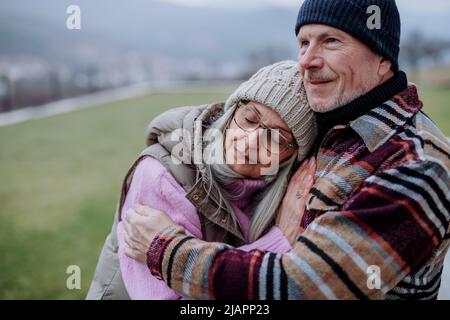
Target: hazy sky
x=416, y=5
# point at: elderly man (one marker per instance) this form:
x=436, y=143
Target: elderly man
x=377, y=219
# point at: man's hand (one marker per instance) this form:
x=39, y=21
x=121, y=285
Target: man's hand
x=293, y=206
x=141, y=225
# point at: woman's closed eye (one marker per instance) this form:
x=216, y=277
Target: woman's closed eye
x=251, y=121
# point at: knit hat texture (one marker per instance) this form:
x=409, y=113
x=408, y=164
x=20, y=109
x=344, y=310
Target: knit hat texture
x=280, y=87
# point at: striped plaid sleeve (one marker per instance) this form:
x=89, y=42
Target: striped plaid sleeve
x=390, y=227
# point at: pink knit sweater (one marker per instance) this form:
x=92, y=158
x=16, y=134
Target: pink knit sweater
x=155, y=187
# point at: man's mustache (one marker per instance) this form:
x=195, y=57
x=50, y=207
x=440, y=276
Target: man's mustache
x=310, y=76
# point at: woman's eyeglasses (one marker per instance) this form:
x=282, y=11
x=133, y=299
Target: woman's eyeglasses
x=247, y=119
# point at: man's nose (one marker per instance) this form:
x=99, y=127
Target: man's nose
x=310, y=59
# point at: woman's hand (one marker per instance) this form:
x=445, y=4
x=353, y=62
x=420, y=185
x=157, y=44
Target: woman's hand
x=141, y=225
x=292, y=208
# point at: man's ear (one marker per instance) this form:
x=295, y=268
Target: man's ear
x=384, y=68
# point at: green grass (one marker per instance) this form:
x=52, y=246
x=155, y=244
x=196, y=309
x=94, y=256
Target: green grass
x=61, y=179
x=437, y=105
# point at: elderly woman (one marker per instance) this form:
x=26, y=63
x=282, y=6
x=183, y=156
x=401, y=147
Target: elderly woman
x=220, y=171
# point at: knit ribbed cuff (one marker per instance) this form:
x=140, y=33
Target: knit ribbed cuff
x=155, y=254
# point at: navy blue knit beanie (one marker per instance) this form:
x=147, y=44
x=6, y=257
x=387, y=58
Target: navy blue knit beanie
x=352, y=16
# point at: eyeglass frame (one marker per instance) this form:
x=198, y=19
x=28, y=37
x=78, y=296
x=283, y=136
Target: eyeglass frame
x=290, y=144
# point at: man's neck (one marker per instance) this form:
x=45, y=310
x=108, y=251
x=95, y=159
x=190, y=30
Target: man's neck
x=388, y=88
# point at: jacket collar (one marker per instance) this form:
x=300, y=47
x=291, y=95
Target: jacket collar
x=365, y=103
x=382, y=122
x=377, y=115
x=206, y=204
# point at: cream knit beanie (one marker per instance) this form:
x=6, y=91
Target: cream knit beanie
x=280, y=87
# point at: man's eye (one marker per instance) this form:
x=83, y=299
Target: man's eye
x=331, y=40
x=304, y=43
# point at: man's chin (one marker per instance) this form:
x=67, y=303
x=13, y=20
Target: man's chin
x=323, y=106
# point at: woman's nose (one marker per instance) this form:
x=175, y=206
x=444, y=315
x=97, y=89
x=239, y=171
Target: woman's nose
x=253, y=138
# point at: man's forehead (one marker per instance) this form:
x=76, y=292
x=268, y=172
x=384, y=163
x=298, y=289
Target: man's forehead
x=315, y=30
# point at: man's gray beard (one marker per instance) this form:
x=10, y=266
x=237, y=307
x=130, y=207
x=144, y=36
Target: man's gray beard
x=340, y=101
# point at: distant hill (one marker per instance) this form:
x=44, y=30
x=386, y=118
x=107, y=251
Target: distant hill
x=151, y=26
x=164, y=29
